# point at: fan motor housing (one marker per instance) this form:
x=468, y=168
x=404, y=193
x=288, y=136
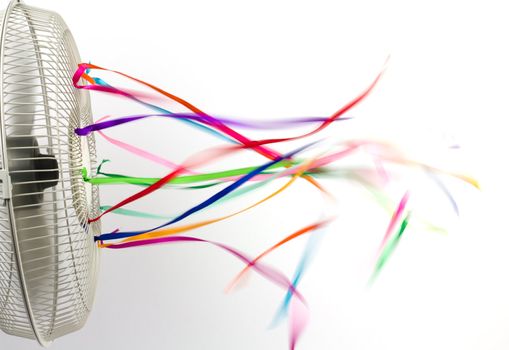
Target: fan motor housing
x=48, y=258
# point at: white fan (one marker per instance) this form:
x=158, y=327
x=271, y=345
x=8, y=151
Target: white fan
x=48, y=259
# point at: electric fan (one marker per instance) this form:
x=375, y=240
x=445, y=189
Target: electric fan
x=48, y=258
x=50, y=232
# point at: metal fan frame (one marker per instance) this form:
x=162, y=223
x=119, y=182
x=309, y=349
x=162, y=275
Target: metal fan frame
x=6, y=185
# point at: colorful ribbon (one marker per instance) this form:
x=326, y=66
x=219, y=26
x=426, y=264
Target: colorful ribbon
x=236, y=182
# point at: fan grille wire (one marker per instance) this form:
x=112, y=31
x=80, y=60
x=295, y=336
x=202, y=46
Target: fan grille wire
x=48, y=259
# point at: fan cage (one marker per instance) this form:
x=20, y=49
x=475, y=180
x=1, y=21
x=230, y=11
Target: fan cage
x=48, y=258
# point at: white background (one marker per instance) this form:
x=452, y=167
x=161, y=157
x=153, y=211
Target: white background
x=446, y=82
